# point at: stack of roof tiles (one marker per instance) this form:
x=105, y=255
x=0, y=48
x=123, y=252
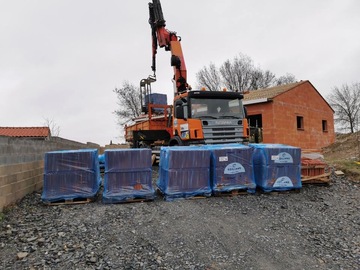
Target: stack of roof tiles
x=128, y=175
x=184, y=172
x=231, y=168
x=71, y=174
x=277, y=167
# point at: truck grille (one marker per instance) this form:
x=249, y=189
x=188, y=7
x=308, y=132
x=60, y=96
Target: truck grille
x=215, y=133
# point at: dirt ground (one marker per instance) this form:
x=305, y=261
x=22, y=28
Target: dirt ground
x=346, y=147
x=316, y=228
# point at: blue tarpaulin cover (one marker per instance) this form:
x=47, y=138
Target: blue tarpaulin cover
x=102, y=162
x=184, y=172
x=128, y=175
x=70, y=174
x=231, y=168
x=277, y=166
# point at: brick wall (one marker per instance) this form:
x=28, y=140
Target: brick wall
x=306, y=102
x=22, y=165
x=17, y=180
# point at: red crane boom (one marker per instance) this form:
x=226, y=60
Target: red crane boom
x=171, y=42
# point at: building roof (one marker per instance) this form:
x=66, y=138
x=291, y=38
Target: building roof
x=269, y=93
x=32, y=132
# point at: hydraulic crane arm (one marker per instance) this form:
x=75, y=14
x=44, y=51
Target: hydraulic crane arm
x=171, y=42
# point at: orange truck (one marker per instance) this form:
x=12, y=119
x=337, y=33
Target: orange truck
x=196, y=116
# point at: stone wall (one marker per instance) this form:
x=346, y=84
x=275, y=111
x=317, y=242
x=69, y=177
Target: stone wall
x=22, y=164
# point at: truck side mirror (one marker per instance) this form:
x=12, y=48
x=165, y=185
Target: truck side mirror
x=180, y=110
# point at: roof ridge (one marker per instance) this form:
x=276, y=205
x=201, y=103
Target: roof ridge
x=38, y=132
x=282, y=85
x=25, y=127
x=271, y=92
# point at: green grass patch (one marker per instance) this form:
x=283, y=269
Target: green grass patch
x=350, y=168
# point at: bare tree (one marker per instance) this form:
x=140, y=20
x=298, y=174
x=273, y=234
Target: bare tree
x=237, y=75
x=261, y=79
x=209, y=77
x=240, y=74
x=285, y=79
x=345, y=101
x=128, y=99
x=51, y=124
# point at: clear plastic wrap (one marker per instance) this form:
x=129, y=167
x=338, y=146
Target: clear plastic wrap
x=277, y=167
x=71, y=160
x=231, y=168
x=70, y=174
x=184, y=172
x=128, y=175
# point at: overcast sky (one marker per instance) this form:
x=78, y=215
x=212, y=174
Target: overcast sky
x=61, y=59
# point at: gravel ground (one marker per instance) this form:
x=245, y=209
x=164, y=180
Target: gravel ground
x=316, y=228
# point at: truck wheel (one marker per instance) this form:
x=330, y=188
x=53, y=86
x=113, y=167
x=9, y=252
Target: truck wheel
x=142, y=145
x=176, y=141
x=135, y=144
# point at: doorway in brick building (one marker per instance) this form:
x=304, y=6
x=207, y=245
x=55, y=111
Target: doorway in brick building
x=255, y=126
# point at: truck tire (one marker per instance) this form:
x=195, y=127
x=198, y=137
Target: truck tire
x=176, y=141
x=135, y=144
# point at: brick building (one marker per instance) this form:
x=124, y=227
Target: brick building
x=294, y=114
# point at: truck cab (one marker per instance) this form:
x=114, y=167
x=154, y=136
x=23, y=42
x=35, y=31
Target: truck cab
x=209, y=117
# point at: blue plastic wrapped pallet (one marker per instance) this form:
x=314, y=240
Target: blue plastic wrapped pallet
x=102, y=162
x=70, y=174
x=277, y=167
x=184, y=172
x=128, y=175
x=231, y=168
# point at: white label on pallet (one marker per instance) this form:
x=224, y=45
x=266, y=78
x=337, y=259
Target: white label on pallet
x=283, y=157
x=234, y=168
x=222, y=159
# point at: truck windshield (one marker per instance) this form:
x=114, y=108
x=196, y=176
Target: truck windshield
x=216, y=108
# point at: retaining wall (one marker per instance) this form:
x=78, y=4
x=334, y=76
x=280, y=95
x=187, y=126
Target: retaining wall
x=22, y=165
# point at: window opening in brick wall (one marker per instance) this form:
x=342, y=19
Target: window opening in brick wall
x=300, y=122
x=324, y=126
x=255, y=126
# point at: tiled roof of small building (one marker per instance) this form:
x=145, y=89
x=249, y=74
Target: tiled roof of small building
x=271, y=92
x=37, y=132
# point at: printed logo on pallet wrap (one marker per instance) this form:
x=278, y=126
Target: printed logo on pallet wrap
x=283, y=181
x=234, y=168
x=282, y=157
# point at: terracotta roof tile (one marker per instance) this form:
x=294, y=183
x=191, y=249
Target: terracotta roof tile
x=25, y=131
x=271, y=92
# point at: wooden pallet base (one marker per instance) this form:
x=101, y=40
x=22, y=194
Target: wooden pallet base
x=185, y=197
x=231, y=193
x=278, y=192
x=137, y=200
x=70, y=201
x=181, y=196
x=322, y=179
x=196, y=197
